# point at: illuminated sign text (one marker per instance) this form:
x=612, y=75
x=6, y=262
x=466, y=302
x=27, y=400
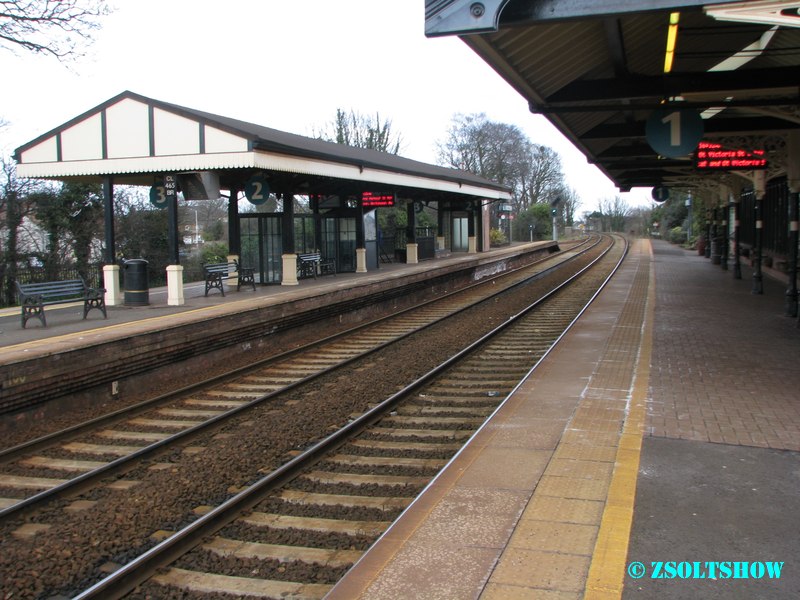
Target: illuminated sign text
x=373, y=200
x=712, y=156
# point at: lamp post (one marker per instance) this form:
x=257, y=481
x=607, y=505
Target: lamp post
x=689, y=216
x=554, y=211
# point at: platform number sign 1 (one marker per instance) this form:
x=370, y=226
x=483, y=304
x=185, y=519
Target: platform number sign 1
x=164, y=191
x=256, y=190
x=674, y=133
x=660, y=193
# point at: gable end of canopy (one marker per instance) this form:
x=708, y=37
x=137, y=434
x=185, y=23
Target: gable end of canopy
x=133, y=138
x=130, y=127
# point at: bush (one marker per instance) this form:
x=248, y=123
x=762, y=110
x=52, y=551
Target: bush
x=214, y=252
x=497, y=237
x=677, y=235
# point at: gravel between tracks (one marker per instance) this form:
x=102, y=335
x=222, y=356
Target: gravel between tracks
x=67, y=557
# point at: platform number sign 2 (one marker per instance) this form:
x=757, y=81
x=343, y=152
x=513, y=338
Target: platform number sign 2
x=674, y=133
x=256, y=190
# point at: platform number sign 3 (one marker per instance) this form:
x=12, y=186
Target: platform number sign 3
x=674, y=133
x=164, y=191
x=257, y=190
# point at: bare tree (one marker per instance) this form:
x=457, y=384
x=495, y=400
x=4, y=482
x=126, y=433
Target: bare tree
x=361, y=131
x=504, y=154
x=205, y=215
x=53, y=27
x=639, y=220
x=16, y=200
x=568, y=204
x=496, y=151
x=612, y=213
x=542, y=178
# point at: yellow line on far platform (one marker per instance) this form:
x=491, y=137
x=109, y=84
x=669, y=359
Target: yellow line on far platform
x=114, y=326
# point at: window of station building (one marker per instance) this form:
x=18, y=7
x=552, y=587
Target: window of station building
x=304, y=239
x=347, y=244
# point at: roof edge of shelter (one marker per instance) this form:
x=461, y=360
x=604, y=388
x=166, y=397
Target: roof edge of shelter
x=266, y=139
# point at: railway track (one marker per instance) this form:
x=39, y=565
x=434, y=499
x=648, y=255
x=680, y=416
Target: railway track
x=295, y=531
x=66, y=462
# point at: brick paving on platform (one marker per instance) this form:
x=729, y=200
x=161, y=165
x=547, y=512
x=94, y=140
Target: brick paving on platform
x=725, y=361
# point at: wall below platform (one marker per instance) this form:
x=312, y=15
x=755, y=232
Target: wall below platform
x=117, y=372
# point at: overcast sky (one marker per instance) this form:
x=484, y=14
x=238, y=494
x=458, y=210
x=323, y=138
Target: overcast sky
x=286, y=65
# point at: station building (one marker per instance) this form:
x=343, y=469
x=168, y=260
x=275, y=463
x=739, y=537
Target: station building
x=134, y=140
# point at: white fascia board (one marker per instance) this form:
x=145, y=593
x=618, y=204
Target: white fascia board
x=253, y=160
x=368, y=175
x=143, y=164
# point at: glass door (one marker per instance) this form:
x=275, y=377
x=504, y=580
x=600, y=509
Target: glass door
x=262, y=246
x=347, y=244
x=339, y=242
x=460, y=233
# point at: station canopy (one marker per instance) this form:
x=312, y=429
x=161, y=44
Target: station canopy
x=607, y=74
x=135, y=140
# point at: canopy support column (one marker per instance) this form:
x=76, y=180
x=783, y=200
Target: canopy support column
x=289, y=258
x=440, y=240
x=174, y=269
x=761, y=190
x=234, y=231
x=113, y=296
x=737, y=263
x=412, y=248
x=793, y=169
x=724, y=208
x=791, y=291
x=472, y=239
x=361, y=244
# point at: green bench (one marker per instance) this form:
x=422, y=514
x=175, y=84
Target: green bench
x=33, y=297
x=217, y=273
x=311, y=265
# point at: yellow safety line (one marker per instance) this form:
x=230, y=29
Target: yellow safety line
x=607, y=571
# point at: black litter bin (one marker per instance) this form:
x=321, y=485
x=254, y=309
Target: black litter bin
x=137, y=291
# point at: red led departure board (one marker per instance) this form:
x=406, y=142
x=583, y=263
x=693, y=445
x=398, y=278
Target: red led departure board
x=712, y=156
x=374, y=200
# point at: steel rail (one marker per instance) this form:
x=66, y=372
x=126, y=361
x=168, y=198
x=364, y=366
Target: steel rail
x=127, y=577
x=92, y=477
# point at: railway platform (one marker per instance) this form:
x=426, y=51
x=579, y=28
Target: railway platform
x=654, y=453
x=65, y=320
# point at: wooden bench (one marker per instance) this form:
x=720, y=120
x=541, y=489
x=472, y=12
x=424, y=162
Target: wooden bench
x=311, y=265
x=33, y=297
x=217, y=273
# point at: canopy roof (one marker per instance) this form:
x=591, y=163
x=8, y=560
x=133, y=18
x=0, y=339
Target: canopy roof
x=596, y=69
x=136, y=139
